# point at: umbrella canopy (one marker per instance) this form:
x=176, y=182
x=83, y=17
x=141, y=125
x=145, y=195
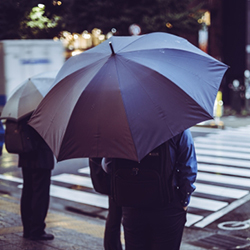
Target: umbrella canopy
x=28, y=95
x=127, y=96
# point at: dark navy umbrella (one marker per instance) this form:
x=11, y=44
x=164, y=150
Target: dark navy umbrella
x=126, y=96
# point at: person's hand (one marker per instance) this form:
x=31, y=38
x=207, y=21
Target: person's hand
x=185, y=208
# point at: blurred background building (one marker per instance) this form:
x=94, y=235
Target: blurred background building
x=229, y=41
x=218, y=27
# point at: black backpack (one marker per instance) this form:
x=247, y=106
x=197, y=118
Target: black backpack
x=100, y=179
x=19, y=137
x=145, y=184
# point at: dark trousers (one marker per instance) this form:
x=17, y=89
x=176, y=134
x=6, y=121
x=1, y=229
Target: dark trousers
x=154, y=229
x=35, y=200
x=112, y=235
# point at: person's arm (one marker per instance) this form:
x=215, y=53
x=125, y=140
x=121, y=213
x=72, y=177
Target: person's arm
x=186, y=167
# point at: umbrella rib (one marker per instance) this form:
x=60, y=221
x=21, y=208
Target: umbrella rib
x=66, y=97
x=63, y=73
x=118, y=76
x=173, y=77
x=139, y=37
x=176, y=49
x=157, y=107
x=142, y=37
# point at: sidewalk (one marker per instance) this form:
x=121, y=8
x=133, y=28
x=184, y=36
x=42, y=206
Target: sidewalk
x=74, y=231
x=71, y=231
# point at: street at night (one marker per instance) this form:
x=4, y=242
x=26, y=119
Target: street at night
x=218, y=214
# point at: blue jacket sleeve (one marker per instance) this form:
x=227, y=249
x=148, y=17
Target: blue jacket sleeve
x=186, y=166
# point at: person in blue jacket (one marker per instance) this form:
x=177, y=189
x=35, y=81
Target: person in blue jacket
x=161, y=228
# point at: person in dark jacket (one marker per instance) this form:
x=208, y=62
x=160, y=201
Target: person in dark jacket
x=36, y=169
x=1, y=138
x=161, y=228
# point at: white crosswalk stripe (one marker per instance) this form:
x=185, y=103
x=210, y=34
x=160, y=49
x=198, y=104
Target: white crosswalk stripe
x=221, y=153
x=220, y=169
x=229, y=137
x=79, y=196
x=221, y=147
x=238, y=181
x=73, y=179
x=217, y=141
x=207, y=204
x=222, y=182
x=223, y=159
x=192, y=219
x=220, y=191
x=68, y=194
x=84, y=170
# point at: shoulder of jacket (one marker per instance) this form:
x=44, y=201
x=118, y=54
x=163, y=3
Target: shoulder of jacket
x=174, y=141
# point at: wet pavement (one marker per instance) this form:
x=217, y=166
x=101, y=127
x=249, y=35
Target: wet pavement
x=71, y=231
x=75, y=230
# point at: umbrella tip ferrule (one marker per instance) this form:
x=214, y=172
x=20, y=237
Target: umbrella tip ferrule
x=111, y=47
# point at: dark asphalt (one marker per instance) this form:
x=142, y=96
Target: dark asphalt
x=82, y=227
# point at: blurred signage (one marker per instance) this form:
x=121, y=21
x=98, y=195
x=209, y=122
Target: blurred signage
x=35, y=61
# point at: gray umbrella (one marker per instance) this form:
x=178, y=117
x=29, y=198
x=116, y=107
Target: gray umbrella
x=28, y=95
